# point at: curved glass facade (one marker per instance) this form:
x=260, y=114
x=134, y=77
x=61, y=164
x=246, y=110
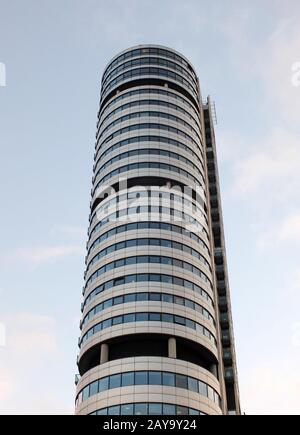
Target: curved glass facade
x=150, y=281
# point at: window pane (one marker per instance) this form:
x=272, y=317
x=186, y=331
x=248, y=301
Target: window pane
x=141, y=378
x=117, y=320
x=102, y=411
x=155, y=408
x=115, y=381
x=193, y=384
x=85, y=393
x=129, y=298
x=114, y=410
x=107, y=304
x=179, y=320
x=127, y=409
x=141, y=409
x=128, y=318
x=127, y=379
x=154, y=317
x=155, y=296
x=94, y=388
x=182, y=410
x=155, y=378
x=169, y=409
x=211, y=393
x=167, y=318
x=193, y=412
x=203, y=389
x=143, y=277
x=178, y=300
x=141, y=317
x=103, y=384
x=181, y=381
x=169, y=379
x=142, y=297
x=167, y=298
x=118, y=300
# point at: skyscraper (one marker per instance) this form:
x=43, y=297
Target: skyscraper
x=156, y=329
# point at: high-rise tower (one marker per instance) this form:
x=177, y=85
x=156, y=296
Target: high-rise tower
x=156, y=329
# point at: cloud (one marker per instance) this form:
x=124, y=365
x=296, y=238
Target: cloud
x=39, y=255
x=285, y=232
x=272, y=168
x=26, y=363
x=71, y=231
x=271, y=389
x=280, y=53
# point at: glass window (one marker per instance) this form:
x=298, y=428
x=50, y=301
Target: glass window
x=167, y=298
x=181, y=381
x=94, y=388
x=117, y=320
x=202, y=389
x=167, y=318
x=193, y=411
x=118, y=300
x=130, y=260
x=141, y=317
x=129, y=298
x=127, y=409
x=103, y=384
x=107, y=304
x=168, y=379
x=141, y=378
x=86, y=393
x=193, y=384
x=119, y=281
x=154, y=277
x=154, y=259
x=141, y=409
x=166, y=260
x=106, y=323
x=155, y=378
x=189, y=304
x=142, y=297
x=178, y=281
x=97, y=328
x=211, y=393
x=166, y=278
x=127, y=379
x=154, y=296
x=182, y=410
x=169, y=409
x=143, y=277
x=178, y=300
x=130, y=278
x=179, y=320
x=190, y=323
x=115, y=381
x=102, y=411
x=114, y=410
x=128, y=318
x=154, y=317
x=120, y=263
x=155, y=408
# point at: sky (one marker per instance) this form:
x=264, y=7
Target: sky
x=52, y=55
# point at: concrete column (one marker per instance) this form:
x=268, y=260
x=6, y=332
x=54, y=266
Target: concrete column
x=172, y=353
x=104, y=353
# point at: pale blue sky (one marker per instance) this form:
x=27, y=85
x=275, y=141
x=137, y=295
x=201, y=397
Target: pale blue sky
x=54, y=53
